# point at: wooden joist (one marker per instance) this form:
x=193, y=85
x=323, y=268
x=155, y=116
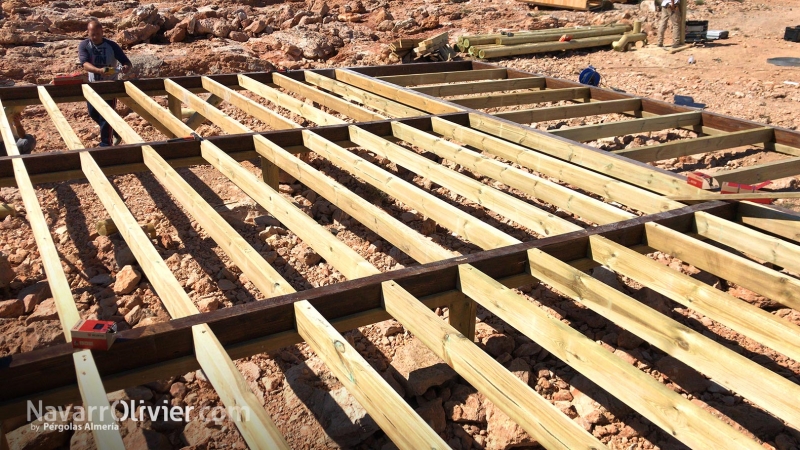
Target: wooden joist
x=679, y=417
x=698, y=145
x=611, y=189
x=522, y=98
x=197, y=119
x=773, y=170
x=560, y=196
x=391, y=92
x=91, y=387
x=723, y=365
x=593, y=132
x=260, y=112
x=479, y=87
x=259, y=430
x=352, y=110
x=287, y=101
x=511, y=207
x=385, y=106
x=543, y=421
x=776, y=221
x=445, y=77
x=571, y=111
x=736, y=314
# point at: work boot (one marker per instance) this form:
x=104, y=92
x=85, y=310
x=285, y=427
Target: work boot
x=660, y=44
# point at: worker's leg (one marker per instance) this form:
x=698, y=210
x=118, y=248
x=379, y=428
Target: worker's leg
x=662, y=25
x=676, y=26
x=106, y=132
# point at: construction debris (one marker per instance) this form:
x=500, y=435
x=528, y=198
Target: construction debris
x=555, y=39
x=436, y=48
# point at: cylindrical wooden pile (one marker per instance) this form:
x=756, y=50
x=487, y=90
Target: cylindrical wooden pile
x=539, y=41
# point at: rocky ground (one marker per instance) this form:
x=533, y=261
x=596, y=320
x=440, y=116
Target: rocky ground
x=39, y=40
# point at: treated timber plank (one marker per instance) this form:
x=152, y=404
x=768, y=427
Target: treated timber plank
x=407, y=240
x=578, y=154
x=271, y=200
x=698, y=145
x=405, y=97
x=724, y=366
x=384, y=105
x=479, y=87
x=197, y=119
x=510, y=207
x=667, y=409
x=560, y=196
x=393, y=415
x=744, y=272
x=130, y=103
x=259, y=430
x=260, y=112
x=56, y=279
x=748, y=241
x=526, y=116
x=767, y=218
x=292, y=104
x=772, y=170
x=445, y=77
x=593, y=132
x=325, y=99
x=742, y=317
x=205, y=109
x=597, y=183
x=543, y=421
x=522, y=98
x=446, y=215
x=93, y=393
x=271, y=324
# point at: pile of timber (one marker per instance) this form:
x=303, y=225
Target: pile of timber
x=550, y=40
x=436, y=48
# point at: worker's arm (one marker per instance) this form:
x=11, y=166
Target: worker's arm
x=89, y=67
x=121, y=57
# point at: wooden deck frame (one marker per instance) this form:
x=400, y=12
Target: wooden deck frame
x=444, y=280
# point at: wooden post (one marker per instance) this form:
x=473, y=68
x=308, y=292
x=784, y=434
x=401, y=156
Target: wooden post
x=463, y=311
x=174, y=104
x=270, y=173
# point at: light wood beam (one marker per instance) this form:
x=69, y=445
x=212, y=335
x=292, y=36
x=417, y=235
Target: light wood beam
x=674, y=414
x=738, y=315
x=526, y=116
x=393, y=415
x=587, y=133
x=596, y=183
x=479, y=87
x=543, y=421
x=130, y=103
x=197, y=119
x=510, y=207
x=445, y=77
x=748, y=241
x=259, y=431
x=744, y=272
x=694, y=146
x=260, y=112
x=522, y=98
x=352, y=110
x=726, y=367
x=773, y=170
x=583, y=156
x=91, y=387
x=294, y=105
x=381, y=104
x=560, y=196
x=769, y=219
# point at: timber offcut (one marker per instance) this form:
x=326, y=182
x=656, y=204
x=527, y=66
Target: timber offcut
x=465, y=127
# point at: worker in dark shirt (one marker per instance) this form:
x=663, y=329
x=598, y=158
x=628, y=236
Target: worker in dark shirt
x=100, y=57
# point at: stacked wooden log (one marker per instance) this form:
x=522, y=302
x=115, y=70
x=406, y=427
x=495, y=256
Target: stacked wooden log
x=540, y=41
x=435, y=48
